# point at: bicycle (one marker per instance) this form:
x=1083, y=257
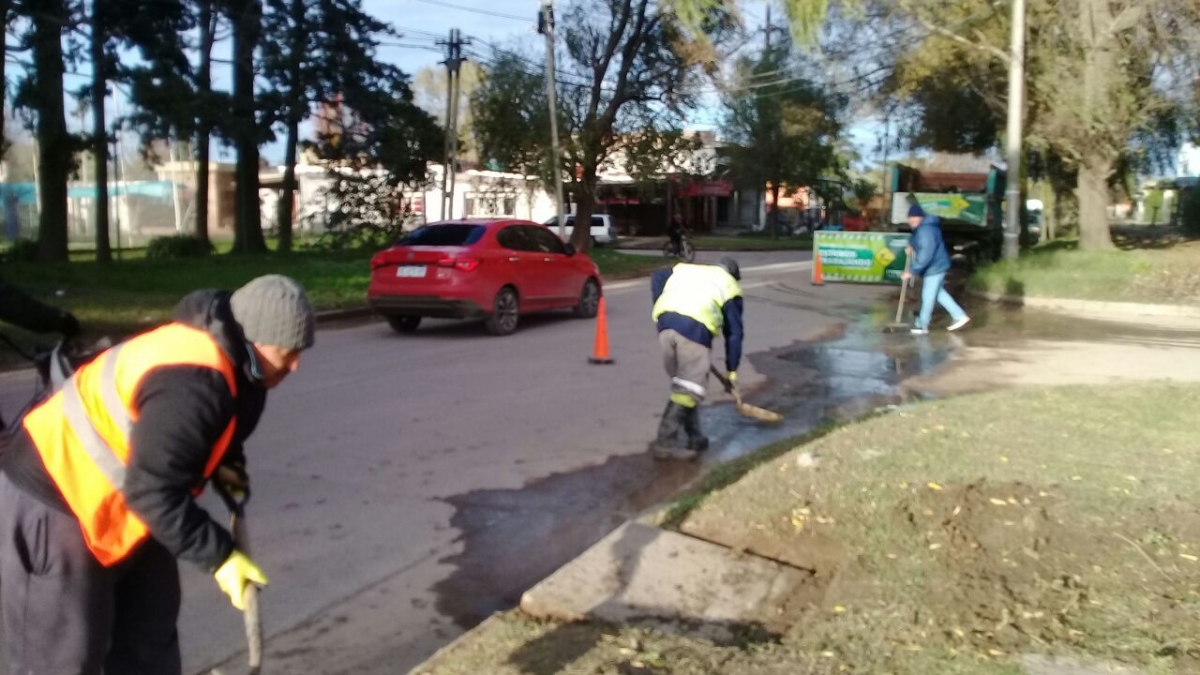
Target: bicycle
x=685, y=251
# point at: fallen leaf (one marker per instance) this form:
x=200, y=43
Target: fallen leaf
x=957, y=510
x=933, y=486
x=934, y=547
x=1076, y=477
x=1188, y=557
x=998, y=502
x=828, y=655
x=995, y=652
x=1003, y=459
x=1133, y=478
x=839, y=609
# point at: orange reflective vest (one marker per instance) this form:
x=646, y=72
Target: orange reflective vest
x=83, y=431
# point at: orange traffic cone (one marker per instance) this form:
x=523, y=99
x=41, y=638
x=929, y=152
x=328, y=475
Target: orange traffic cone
x=818, y=278
x=600, y=351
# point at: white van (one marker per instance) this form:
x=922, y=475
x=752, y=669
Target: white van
x=603, y=230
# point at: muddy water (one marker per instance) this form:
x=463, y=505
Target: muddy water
x=555, y=519
x=843, y=377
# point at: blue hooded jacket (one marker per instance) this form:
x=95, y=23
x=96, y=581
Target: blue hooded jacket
x=929, y=249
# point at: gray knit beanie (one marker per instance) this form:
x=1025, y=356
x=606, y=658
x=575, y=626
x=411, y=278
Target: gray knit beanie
x=273, y=310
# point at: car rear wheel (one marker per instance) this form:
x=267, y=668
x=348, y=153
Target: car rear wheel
x=505, y=313
x=404, y=324
x=589, y=300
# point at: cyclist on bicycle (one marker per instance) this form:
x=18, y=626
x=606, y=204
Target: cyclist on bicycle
x=676, y=230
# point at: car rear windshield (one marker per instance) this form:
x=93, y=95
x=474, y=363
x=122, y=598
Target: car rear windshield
x=443, y=235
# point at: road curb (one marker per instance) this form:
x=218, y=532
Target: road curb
x=427, y=666
x=335, y=315
x=1119, y=309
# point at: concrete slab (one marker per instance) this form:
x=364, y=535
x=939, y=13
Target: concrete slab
x=641, y=572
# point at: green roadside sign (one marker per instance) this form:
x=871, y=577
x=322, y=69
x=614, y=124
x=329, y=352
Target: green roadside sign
x=862, y=257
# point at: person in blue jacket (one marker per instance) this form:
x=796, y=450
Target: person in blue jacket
x=693, y=304
x=931, y=261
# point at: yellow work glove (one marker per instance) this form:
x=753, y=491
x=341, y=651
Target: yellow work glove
x=237, y=571
x=733, y=377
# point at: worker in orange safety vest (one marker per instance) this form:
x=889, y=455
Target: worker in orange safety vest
x=98, y=488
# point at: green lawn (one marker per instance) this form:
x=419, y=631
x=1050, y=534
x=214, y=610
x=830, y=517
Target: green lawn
x=1163, y=276
x=129, y=295
x=945, y=537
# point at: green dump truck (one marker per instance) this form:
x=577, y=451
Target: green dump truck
x=971, y=206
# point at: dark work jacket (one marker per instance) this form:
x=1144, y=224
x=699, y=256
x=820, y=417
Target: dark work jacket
x=183, y=410
x=929, y=249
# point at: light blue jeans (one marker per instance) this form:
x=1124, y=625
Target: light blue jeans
x=931, y=291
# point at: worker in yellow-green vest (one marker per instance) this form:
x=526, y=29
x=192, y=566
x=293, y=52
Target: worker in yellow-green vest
x=692, y=305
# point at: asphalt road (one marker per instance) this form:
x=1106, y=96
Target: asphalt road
x=405, y=487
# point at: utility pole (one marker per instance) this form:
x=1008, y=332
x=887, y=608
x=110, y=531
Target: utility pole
x=453, y=62
x=546, y=28
x=885, y=213
x=767, y=32
x=1016, y=106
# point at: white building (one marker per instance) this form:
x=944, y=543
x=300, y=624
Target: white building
x=476, y=194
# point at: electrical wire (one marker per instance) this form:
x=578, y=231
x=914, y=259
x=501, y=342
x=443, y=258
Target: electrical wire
x=475, y=10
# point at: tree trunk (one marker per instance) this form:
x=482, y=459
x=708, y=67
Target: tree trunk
x=297, y=110
x=773, y=213
x=1091, y=189
x=4, y=9
x=52, y=137
x=247, y=22
x=581, y=237
x=287, y=200
x=100, y=134
x=1099, y=65
x=204, y=128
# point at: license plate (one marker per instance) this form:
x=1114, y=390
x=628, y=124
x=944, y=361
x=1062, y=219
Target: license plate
x=410, y=271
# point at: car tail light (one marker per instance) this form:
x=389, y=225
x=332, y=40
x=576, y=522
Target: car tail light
x=377, y=261
x=464, y=264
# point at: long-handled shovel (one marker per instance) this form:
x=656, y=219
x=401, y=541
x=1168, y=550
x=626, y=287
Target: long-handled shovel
x=898, y=324
x=751, y=411
x=241, y=539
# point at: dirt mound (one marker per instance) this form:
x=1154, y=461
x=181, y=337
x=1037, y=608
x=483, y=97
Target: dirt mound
x=1006, y=558
x=1021, y=568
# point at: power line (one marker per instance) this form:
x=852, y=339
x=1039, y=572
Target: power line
x=475, y=10
x=404, y=30
x=578, y=79
x=401, y=45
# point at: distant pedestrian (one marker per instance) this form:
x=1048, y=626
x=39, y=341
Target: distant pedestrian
x=676, y=230
x=931, y=261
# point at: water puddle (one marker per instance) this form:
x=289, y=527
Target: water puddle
x=839, y=378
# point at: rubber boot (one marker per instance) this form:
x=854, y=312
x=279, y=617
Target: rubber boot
x=696, y=440
x=666, y=445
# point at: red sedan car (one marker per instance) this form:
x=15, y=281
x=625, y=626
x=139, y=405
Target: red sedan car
x=485, y=268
